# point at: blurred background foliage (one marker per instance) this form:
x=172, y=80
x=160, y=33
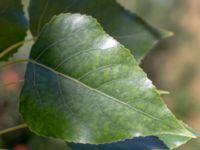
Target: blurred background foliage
x=173, y=65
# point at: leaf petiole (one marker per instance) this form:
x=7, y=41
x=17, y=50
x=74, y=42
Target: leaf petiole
x=21, y=126
x=12, y=47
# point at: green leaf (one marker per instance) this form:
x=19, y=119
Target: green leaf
x=126, y=27
x=145, y=143
x=13, y=25
x=83, y=86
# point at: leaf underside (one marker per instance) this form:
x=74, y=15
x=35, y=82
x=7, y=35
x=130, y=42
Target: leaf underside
x=147, y=143
x=13, y=25
x=83, y=86
x=129, y=29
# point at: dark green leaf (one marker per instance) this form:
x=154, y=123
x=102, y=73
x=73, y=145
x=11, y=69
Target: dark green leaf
x=83, y=86
x=13, y=24
x=127, y=28
x=147, y=143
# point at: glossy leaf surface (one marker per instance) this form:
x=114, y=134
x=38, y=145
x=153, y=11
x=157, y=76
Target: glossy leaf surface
x=13, y=24
x=83, y=86
x=129, y=29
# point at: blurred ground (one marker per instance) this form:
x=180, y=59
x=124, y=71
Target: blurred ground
x=173, y=65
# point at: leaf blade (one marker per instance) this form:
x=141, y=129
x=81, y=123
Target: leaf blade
x=88, y=67
x=128, y=28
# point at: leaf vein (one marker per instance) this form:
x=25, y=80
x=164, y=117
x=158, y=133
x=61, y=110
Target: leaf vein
x=99, y=92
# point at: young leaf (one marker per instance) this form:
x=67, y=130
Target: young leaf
x=146, y=143
x=13, y=25
x=127, y=28
x=83, y=86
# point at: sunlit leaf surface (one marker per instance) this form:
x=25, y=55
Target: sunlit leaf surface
x=83, y=86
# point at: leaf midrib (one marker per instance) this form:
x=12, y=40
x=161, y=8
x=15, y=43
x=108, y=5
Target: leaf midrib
x=103, y=94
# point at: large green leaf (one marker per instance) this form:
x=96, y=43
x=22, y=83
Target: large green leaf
x=83, y=86
x=13, y=24
x=127, y=28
